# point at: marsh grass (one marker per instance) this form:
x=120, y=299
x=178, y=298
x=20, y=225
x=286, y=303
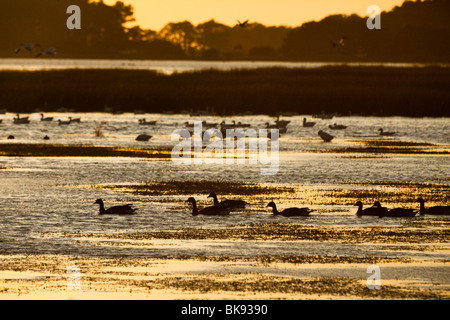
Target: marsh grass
x=389, y=193
x=173, y=187
x=344, y=90
x=47, y=150
x=283, y=232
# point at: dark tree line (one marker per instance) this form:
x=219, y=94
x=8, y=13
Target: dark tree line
x=416, y=31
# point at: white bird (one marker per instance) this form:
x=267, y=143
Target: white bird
x=325, y=136
x=30, y=47
x=49, y=52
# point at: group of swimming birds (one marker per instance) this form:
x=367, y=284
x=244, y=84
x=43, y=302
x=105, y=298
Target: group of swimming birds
x=226, y=206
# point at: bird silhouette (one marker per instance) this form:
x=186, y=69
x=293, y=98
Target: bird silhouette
x=242, y=24
x=49, y=52
x=30, y=47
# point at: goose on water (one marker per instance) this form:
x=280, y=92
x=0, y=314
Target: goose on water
x=371, y=211
x=209, y=211
x=337, y=127
x=19, y=120
x=232, y=204
x=60, y=122
x=119, y=210
x=385, y=133
x=143, y=137
x=144, y=122
x=290, y=212
x=437, y=210
x=396, y=212
x=307, y=124
x=78, y=120
x=326, y=137
x=46, y=119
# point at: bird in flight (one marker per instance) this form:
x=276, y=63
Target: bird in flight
x=341, y=42
x=50, y=52
x=30, y=47
x=242, y=24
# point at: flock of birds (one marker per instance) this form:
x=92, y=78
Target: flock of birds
x=280, y=125
x=30, y=47
x=224, y=207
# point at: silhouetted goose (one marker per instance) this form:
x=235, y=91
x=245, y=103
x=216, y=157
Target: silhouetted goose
x=19, y=120
x=46, y=138
x=143, y=137
x=282, y=123
x=118, y=210
x=232, y=204
x=372, y=211
x=275, y=126
x=325, y=136
x=46, y=119
x=30, y=47
x=1, y=120
x=60, y=122
x=11, y=137
x=396, y=212
x=337, y=127
x=209, y=211
x=77, y=120
x=307, y=124
x=437, y=210
x=290, y=212
x=144, y=122
x=49, y=52
x=384, y=133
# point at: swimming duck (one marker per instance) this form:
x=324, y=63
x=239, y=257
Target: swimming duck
x=144, y=122
x=396, y=212
x=437, y=210
x=372, y=211
x=325, y=136
x=307, y=124
x=232, y=204
x=143, y=137
x=337, y=127
x=78, y=120
x=290, y=212
x=209, y=211
x=119, y=210
x=384, y=133
x=60, y=122
x=46, y=119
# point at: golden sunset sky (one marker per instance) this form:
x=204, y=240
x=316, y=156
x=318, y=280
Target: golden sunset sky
x=154, y=14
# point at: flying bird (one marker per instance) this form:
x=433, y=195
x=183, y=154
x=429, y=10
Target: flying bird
x=30, y=47
x=49, y=52
x=242, y=24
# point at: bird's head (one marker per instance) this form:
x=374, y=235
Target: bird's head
x=271, y=204
x=359, y=203
x=212, y=195
x=98, y=201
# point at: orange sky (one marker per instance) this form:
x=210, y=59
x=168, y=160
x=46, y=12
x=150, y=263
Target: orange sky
x=154, y=14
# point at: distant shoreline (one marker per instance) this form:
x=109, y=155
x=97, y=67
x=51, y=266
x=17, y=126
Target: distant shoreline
x=343, y=90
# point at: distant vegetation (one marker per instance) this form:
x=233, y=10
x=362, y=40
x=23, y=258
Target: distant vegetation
x=414, y=32
x=344, y=90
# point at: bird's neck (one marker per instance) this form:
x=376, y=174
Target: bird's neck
x=274, y=209
x=194, y=208
x=102, y=208
x=216, y=202
x=359, y=208
x=422, y=206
